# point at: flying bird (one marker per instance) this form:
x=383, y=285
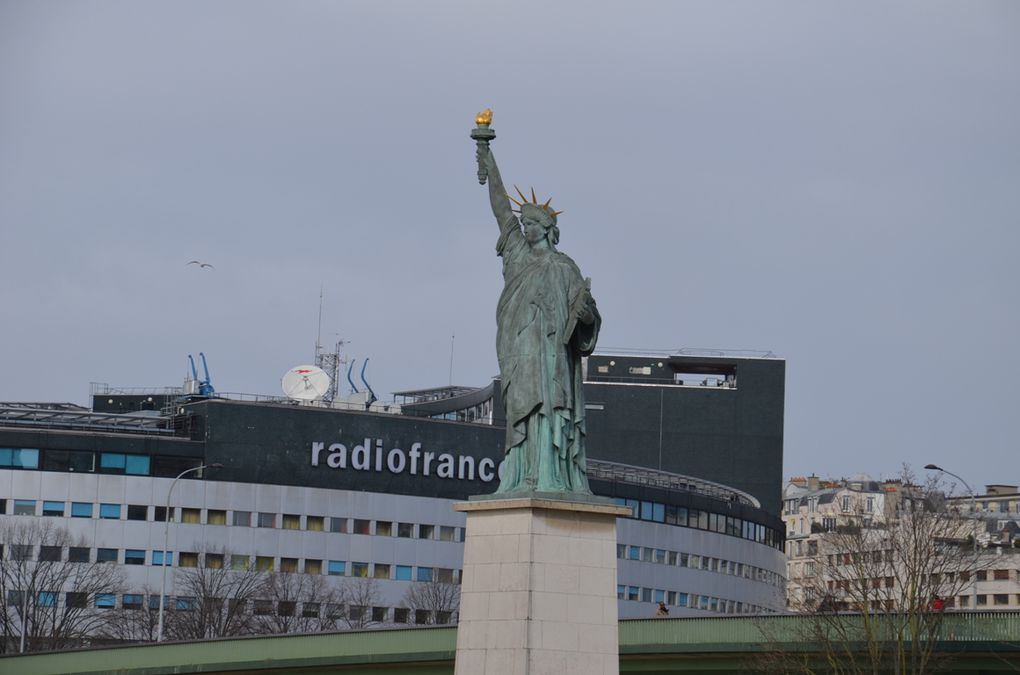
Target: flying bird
x=201, y=264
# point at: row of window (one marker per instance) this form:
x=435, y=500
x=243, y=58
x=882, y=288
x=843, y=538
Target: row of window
x=670, y=514
x=688, y=600
x=87, y=461
x=699, y=562
x=286, y=608
x=286, y=521
x=236, y=561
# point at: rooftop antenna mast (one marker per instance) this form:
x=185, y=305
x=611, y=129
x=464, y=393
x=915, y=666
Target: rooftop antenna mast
x=452, y=338
x=329, y=362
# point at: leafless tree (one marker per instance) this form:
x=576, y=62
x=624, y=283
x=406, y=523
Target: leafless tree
x=215, y=600
x=354, y=599
x=875, y=592
x=297, y=601
x=48, y=600
x=134, y=623
x=432, y=602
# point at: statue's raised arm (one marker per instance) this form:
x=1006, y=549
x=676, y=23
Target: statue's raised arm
x=489, y=172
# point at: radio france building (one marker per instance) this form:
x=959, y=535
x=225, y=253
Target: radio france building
x=692, y=442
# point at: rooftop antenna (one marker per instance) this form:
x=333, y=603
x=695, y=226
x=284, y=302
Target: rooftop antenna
x=329, y=362
x=452, y=338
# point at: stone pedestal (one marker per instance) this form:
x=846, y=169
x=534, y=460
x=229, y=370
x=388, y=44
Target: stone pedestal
x=538, y=592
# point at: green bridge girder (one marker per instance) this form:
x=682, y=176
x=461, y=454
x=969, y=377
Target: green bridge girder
x=979, y=641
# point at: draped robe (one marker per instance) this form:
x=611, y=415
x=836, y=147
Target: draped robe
x=540, y=342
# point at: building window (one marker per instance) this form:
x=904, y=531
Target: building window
x=19, y=458
x=291, y=521
x=314, y=523
x=187, y=559
x=359, y=569
x=400, y=614
x=264, y=563
x=191, y=516
x=337, y=524
x=289, y=565
x=133, y=601
x=380, y=614
x=81, y=510
x=405, y=530
x=137, y=512
x=24, y=507
x=159, y=514
x=426, y=531
x=109, y=511
x=134, y=557
x=75, y=600
x=242, y=518
x=214, y=561
x=361, y=526
x=422, y=616
x=313, y=567
x=403, y=573
x=1001, y=575
x=1001, y=599
x=158, y=557
x=982, y=599
x=69, y=460
x=267, y=519
x=216, y=517
x=78, y=554
x=633, y=593
x=310, y=610
x=634, y=553
x=239, y=562
x=106, y=600
x=106, y=555
x=383, y=528
x=50, y=553
x=185, y=604
x=424, y=574
x=381, y=571
x=336, y=568
x=447, y=533
x=444, y=575
x=53, y=508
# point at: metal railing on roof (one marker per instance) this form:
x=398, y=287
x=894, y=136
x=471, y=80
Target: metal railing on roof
x=636, y=475
x=19, y=415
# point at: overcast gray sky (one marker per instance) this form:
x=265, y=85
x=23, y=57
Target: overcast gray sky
x=836, y=182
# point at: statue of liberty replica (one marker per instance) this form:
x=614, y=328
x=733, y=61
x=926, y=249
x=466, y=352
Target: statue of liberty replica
x=546, y=322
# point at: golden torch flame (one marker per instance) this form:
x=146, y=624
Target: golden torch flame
x=484, y=118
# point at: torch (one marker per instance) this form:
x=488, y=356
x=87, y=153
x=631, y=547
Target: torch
x=482, y=135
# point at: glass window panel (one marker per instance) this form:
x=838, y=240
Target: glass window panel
x=137, y=512
x=106, y=600
x=109, y=511
x=659, y=512
x=112, y=462
x=403, y=573
x=337, y=524
x=242, y=518
x=134, y=557
x=47, y=599
x=267, y=519
x=289, y=565
x=191, y=516
x=24, y=507
x=214, y=561
x=239, y=562
x=383, y=528
x=315, y=523
x=133, y=600
x=264, y=563
x=447, y=533
x=53, y=508
x=216, y=517
x=50, y=553
x=78, y=554
x=157, y=558
x=313, y=567
x=336, y=568
x=361, y=526
x=291, y=521
x=136, y=465
x=424, y=574
x=359, y=569
x=25, y=458
x=405, y=530
x=381, y=571
x=646, y=511
x=426, y=531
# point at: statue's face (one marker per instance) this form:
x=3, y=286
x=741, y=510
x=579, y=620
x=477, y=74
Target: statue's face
x=534, y=231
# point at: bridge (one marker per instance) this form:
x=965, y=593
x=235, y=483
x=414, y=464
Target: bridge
x=975, y=642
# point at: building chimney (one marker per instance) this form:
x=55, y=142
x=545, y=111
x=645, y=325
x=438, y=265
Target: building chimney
x=813, y=482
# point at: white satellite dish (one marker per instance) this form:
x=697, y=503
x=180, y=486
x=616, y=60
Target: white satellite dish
x=305, y=383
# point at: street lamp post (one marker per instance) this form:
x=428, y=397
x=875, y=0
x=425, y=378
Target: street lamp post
x=973, y=511
x=166, y=542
